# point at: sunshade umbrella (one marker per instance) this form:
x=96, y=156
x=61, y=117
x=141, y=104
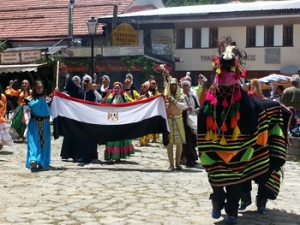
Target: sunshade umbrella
x=277, y=79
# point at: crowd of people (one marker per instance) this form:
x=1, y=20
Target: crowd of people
x=240, y=136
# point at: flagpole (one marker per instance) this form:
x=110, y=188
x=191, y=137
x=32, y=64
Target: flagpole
x=57, y=74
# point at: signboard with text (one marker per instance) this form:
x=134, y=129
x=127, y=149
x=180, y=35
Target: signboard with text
x=17, y=57
x=162, y=46
x=30, y=56
x=103, y=67
x=79, y=52
x=111, y=51
x=124, y=34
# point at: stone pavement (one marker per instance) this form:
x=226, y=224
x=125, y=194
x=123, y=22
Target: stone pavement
x=138, y=190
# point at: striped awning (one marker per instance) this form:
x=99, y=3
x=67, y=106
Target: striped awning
x=19, y=68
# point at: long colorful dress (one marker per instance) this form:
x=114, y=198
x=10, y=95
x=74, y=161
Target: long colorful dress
x=118, y=149
x=38, y=135
x=5, y=138
x=145, y=139
x=20, y=118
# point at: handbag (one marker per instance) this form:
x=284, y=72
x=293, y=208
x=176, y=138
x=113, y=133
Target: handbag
x=192, y=118
x=192, y=122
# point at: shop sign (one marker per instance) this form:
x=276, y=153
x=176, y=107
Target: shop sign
x=17, y=57
x=30, y=56
x=124, y=34
x=122, y=51
x=103, y=67
x=10, y=57
x=209, y=58
x=162, y=46
x=70, y=52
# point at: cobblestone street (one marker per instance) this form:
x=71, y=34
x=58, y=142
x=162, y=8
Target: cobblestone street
x=139, y=190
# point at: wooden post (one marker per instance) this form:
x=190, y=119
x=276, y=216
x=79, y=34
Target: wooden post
x=57, y=74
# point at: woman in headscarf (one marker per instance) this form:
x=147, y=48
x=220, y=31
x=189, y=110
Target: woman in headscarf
x=38, y=136
x=80, y=150
x=117, y=150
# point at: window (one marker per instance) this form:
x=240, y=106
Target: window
x=147, y=40
x=196, y=38
x=213, y=37
x=251, y=37
x=269, y=36
x=180, y=38
x=288, y=35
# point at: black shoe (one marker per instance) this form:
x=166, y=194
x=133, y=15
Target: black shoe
x=189, y=164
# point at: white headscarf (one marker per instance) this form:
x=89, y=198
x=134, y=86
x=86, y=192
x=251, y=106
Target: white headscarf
x=76, y=77
x=87, y=77
x=130, y=75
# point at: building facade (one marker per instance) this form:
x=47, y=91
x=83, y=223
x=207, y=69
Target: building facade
x=267, y=31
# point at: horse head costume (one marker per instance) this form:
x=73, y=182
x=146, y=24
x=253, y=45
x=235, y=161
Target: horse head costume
x=239, y=138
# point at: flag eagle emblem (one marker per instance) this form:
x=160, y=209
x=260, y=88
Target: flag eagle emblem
x=112, y=116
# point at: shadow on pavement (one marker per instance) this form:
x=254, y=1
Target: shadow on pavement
x=49, y=168
x=139, y=170
x=272, y=217
x=5, y=153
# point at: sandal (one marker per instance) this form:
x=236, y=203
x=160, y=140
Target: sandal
x=171, y=168
x=33, y=164
x=178, y=166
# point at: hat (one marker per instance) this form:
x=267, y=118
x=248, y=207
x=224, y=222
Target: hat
x=87, y=77
x=185, y=82
x=173, y=81
x=188, y=73
x=188, y=78
x=202, y=77
x=295, y=78
x=107, y=77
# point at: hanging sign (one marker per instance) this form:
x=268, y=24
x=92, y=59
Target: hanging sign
x=124, y=34
x=70, y=52
x=123, y=50
x=17, y=57
x=162, y=46
x=31, y=56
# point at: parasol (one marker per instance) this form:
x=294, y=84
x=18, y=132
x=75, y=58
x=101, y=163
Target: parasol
x=277, y=79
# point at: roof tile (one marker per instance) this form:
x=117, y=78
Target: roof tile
x=35, y=18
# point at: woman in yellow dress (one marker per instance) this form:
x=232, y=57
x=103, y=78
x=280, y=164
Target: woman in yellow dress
x=5, y=138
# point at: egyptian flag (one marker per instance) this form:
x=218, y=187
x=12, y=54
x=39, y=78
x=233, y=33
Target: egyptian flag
x=81, y=119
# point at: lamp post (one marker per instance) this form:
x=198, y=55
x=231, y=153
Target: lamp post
x=92, y=26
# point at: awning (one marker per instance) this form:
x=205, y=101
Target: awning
x=158, y=59
x=289, y=70
x=20, y=68
x=44, y=49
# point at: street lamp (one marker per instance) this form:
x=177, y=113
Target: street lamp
x=92, y=26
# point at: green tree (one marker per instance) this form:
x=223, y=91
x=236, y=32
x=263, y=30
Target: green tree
x=3, y=46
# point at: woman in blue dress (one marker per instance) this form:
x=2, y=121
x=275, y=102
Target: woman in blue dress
x=38, y=136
